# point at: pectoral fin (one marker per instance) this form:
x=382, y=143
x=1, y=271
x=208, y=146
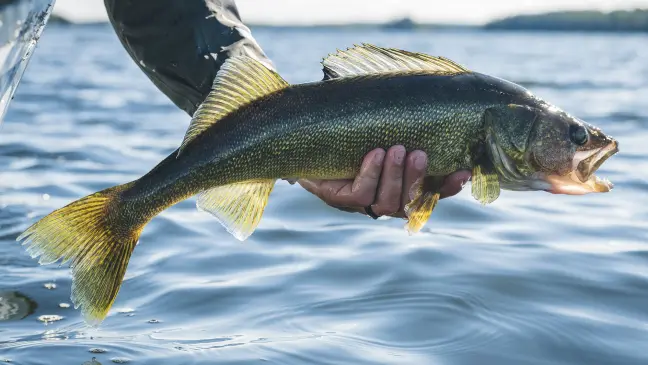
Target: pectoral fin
x=485, y=182
x=425, y=199
x=238, y=207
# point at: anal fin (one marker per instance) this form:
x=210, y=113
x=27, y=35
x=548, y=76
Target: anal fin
x=238, y=207
x=425, y=199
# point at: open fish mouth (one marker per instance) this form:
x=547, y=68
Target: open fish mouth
x=582, y=179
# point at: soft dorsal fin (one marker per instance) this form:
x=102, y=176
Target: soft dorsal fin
x=240, y=80
x=368, y=59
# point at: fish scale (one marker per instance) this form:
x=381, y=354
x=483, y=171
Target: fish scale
x=254, y=128
x=320, y=131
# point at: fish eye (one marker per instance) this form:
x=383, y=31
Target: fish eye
x=578, y=134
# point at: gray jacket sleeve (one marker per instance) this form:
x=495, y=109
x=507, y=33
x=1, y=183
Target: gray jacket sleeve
x=181, y=44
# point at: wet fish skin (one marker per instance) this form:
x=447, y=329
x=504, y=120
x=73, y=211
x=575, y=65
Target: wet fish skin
x=323, y=130
x=254, y=128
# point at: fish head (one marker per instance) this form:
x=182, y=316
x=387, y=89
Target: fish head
x=544, y=148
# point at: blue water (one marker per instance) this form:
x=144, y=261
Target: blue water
x=531, y=279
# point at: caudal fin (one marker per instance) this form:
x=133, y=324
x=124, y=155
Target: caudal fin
x=97, y=236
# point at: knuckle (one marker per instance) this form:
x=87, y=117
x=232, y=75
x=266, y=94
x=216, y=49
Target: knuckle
x=394, y=173
x=363, y=199
x=329, y=196
x=372, y=175
x=388, y=208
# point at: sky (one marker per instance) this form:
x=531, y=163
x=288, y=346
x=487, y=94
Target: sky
x=346, y=11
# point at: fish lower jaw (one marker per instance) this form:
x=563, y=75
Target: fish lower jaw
x=571, y=184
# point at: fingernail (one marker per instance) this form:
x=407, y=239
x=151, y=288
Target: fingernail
x=399, y=155
x=379, y=157
x=420, y=162
x=463, y=182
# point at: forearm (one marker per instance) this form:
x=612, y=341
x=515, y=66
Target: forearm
x=181, y=44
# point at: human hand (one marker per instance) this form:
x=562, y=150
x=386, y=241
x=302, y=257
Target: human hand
x=385, y=182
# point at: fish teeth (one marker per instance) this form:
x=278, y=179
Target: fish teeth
x=604, y=181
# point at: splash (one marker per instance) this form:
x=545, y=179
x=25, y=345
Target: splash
x=22, y=24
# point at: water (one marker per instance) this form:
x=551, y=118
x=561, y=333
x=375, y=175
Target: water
x=530, y=279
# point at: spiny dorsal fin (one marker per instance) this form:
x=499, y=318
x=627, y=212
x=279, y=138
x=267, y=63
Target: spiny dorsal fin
x=368, y=59
x=240, y=80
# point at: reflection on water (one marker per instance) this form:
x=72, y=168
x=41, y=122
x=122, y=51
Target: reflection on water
x=531, y=279
x=15, y=306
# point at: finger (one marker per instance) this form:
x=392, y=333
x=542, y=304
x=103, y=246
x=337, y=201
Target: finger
x=363, y=190
x=415, y=167
x=316, y=186
x=388, y=200
x=454, y=183
x=370, y=171
x=326, y=190
x=350, y=193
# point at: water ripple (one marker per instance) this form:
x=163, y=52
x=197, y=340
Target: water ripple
x=530, y=279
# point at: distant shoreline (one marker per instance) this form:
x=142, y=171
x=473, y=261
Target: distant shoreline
x=588, y=21
x=620, y=21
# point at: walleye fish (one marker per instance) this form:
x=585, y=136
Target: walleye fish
x=254, y=128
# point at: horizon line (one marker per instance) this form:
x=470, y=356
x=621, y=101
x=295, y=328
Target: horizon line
x=457, y=23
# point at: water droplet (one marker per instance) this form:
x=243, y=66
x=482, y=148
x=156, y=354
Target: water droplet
x=46, y=197
x=6, y=360
x=120, y=360
x=64, y=305
x=125, y=310
x=92, y=362
x=50, y=286
x=154, y=321
x=48, y=318
x=97, y=350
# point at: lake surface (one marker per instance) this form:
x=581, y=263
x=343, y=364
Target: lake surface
x=531, y=279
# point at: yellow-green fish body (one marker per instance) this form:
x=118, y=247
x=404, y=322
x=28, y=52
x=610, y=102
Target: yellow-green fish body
x=254, y=129
x=323, y=130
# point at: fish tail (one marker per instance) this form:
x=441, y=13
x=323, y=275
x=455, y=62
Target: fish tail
x=97, y=234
